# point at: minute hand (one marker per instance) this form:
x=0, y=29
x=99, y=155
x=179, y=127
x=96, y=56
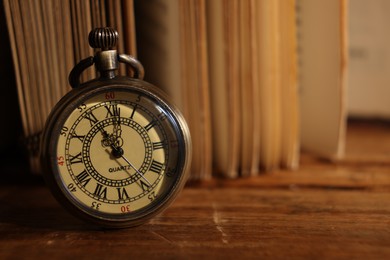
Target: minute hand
x=129, y=163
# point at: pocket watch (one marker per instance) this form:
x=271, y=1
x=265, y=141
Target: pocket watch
x=114, y=152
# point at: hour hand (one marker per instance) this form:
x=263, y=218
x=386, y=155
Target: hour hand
x=107, y=140
x=117, y=133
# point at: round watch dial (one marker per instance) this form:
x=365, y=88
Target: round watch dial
x=119, y=155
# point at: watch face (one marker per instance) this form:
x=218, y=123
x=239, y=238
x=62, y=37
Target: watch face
x=118, y=155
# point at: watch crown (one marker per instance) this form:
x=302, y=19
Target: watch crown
x=103, y=38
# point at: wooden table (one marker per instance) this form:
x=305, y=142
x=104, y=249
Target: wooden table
x=323, y=210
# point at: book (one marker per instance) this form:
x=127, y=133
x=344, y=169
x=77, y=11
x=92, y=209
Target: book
x=172, y=46
x=277, y=77
x=256, y=80
x=323, y=58
x=245, y=129
x=47, y=39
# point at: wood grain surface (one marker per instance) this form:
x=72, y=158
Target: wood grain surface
x=324, y=210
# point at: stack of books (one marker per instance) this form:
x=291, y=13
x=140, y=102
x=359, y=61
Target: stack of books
x=257, y=80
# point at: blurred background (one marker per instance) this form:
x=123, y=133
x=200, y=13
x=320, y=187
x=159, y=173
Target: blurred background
x=369, y=59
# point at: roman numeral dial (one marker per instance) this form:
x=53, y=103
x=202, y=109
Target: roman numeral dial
x=118, y=153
